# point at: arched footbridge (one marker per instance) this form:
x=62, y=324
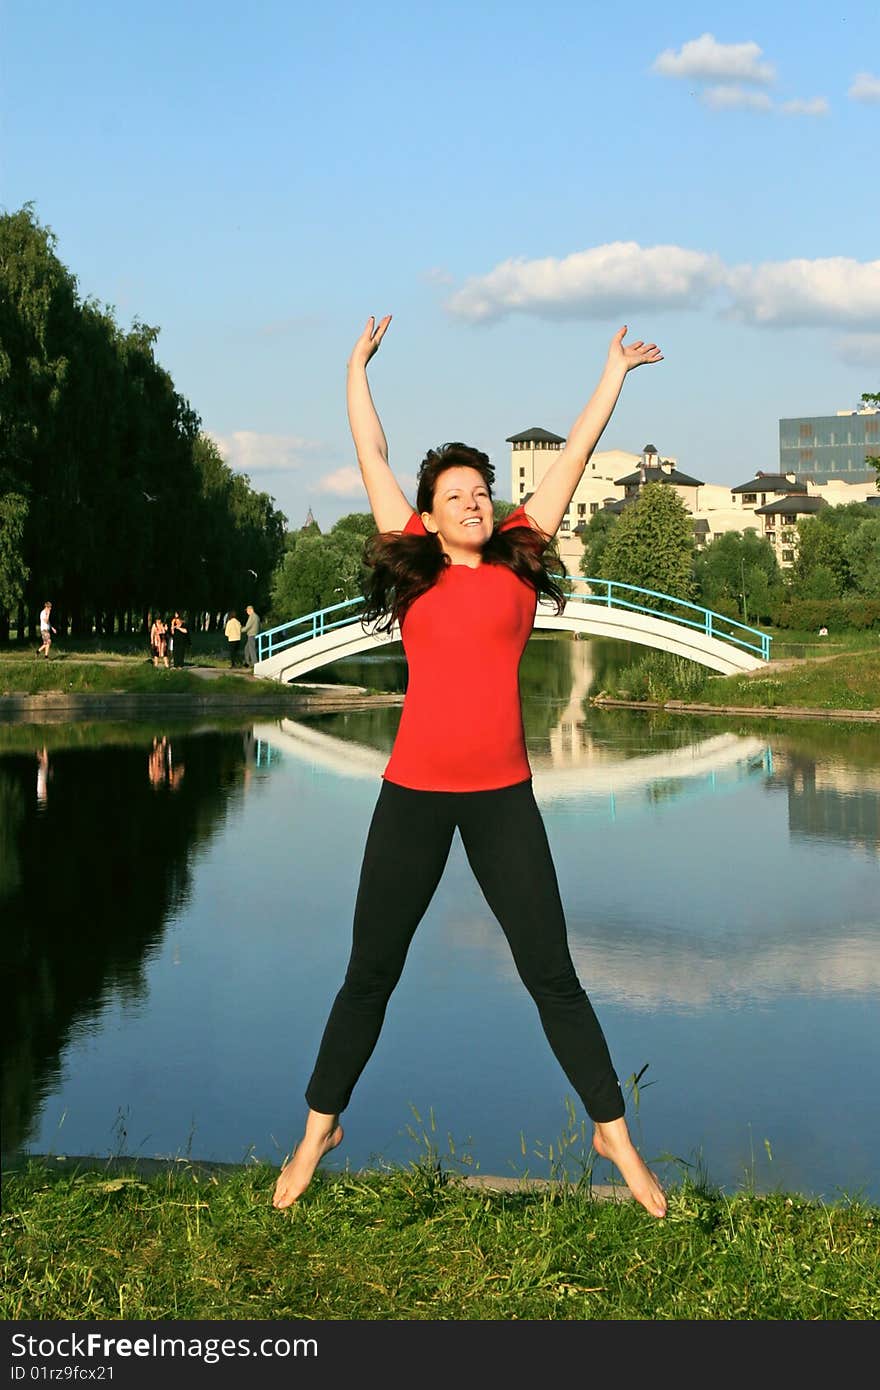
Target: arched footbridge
x=595, y=607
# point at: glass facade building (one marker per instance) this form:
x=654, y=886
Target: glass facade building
x=822, y=447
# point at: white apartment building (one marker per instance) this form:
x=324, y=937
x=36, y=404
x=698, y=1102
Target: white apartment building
x=769, y=503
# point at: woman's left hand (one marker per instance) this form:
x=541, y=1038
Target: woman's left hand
x=629, y=355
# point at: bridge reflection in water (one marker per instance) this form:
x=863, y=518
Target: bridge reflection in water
x=703, y=767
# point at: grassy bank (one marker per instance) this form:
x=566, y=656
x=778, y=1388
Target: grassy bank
x=850, y=680
x=843, y=678
x=418, y=1244
x=841, y=673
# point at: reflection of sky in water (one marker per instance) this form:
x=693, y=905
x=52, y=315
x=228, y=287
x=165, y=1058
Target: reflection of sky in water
x=736, y=957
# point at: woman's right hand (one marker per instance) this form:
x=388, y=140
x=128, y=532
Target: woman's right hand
x=368, y=343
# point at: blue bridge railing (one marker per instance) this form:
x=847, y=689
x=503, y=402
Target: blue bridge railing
x=608, y=593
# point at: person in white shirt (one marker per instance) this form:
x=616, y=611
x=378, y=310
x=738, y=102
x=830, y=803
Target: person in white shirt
x=233, y=637
x=46, y=630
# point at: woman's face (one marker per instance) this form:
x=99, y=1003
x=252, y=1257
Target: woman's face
x=461, y=513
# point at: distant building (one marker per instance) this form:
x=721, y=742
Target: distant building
x=824, y=447
x=780, y=519
x=770, y=504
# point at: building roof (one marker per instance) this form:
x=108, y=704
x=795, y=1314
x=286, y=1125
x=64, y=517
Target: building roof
x=769, y=482
x=701, y=526
x=536, y=436
x=658, y=475
x=798, y=505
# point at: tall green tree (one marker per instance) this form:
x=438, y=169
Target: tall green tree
x=318, y=572
x=595, y=538
x=13, y=568
x=741, y=569
x=862, y=550
x=822, y=546
x=652, y=545
x=91, y=429
x=240, y=536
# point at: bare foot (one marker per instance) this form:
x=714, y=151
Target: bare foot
x=612, y=1141
x=322, y=1134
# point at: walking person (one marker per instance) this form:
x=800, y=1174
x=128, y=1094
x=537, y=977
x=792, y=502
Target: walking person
x=232, y=632
x=465, y=594
x=47, y=631
x=250, y=630
x=159, y=642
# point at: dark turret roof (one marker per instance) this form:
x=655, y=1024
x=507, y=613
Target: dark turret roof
x=769, y=482
x=658, y=475
x=535, y=435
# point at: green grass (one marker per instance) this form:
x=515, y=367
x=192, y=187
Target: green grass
x=417, y=1244
x=849, y=681
x=102, y=673
x=846, y=678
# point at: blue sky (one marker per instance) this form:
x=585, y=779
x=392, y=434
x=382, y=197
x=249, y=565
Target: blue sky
x=512, y=181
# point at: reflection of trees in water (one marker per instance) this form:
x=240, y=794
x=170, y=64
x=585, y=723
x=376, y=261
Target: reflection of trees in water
x=87, y=885
x=12, y=812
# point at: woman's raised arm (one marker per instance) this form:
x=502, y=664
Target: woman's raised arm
x=390, y=509
x=552, y=496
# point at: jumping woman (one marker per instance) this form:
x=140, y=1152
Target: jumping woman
x=465, y=595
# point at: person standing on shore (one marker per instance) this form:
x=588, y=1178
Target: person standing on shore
x=232, y=633
x=465, y=595
x=179, y=640
x=250, y=630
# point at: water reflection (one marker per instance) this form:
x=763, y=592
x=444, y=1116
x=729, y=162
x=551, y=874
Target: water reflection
x=89, y=877
x=176, y=902
x=829, y=800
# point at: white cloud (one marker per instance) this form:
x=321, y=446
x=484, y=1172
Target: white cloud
x=707, y=59
x=343, y=482
x=436, y=275
x=601, y=282
x=247, y=451
x=801, y=106
x=608, y=281
x=858, y=349
x=826, y=291
x=346, y=482
x=729, y=98
x=865, y=87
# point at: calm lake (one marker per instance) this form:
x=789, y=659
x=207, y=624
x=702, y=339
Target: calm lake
x=176, y=907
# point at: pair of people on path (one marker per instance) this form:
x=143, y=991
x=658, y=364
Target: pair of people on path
x=465, y=594
x=234, y=631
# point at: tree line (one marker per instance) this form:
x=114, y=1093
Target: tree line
x=649, y=544
x=113, y=501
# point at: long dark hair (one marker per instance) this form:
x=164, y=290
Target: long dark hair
x=402, y=567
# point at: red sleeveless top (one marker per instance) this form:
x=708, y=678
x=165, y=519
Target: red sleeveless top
x=461, y=727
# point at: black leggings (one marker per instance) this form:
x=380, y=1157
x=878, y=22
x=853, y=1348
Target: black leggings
x=506, y=845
